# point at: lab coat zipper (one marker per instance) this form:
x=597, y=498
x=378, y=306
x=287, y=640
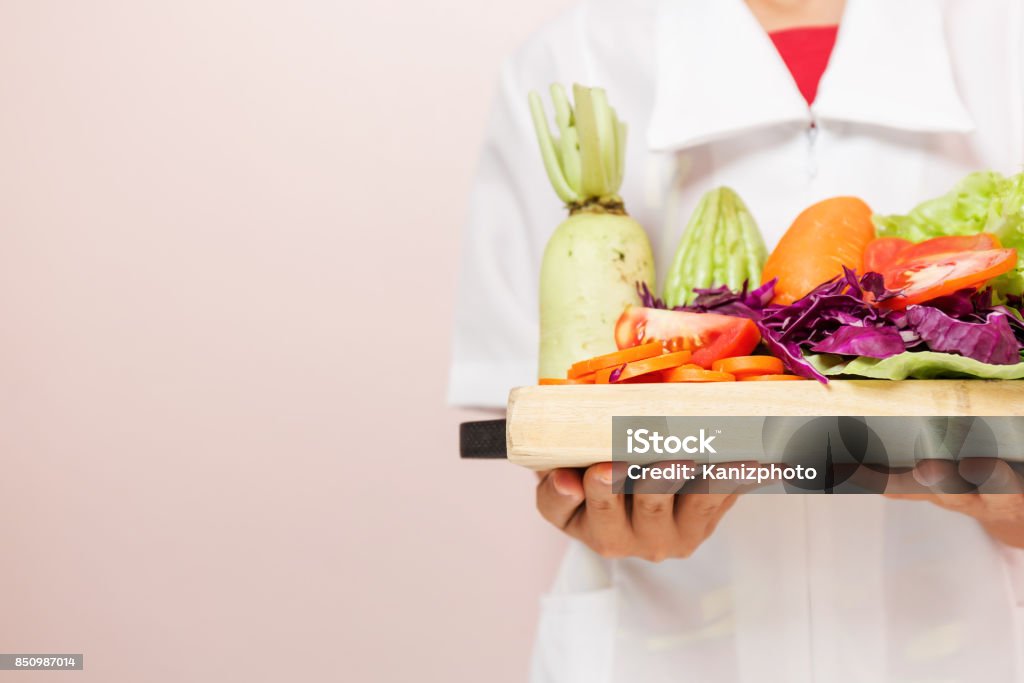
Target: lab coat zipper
x=812, y=142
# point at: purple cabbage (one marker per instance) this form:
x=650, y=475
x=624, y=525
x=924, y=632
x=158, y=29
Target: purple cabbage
x=991, y=341
x=835, y=317
x=873, y=342
x=721, y=300
x=841, y=317
x=616, y=374
x=790, y=355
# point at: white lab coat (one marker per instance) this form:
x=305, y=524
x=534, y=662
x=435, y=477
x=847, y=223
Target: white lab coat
x=917, y=94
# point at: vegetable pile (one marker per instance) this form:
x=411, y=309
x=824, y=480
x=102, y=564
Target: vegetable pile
x=851, y=316
x=937, y=292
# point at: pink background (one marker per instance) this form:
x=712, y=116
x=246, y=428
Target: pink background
x=228, y=237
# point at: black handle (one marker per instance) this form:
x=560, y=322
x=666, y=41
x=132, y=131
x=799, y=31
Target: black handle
x=482, y=440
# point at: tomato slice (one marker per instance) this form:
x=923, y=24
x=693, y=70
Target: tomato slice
x=743, y=366
x=698, y=374
x=643, y=367
x=609, y=360
x=946, y=246
x=928, y=277
x=883, y=252
x=708, y=335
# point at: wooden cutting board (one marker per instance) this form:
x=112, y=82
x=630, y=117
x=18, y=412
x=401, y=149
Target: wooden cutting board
x=571, y=426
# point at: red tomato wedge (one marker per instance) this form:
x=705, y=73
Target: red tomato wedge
x=882, y=252
x=609, y=360
x=929, y=277
x=696, y=375
x=708, y=335
x=638, y=368
x=952, y=245
x=743, y=366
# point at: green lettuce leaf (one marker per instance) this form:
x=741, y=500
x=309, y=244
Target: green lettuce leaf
x=982, y=202
x=914, y=365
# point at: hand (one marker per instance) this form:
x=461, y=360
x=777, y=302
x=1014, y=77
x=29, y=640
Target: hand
x=651, y=525
x=987, y=489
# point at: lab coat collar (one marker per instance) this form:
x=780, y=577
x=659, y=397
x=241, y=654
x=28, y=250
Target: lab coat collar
x=719, y=74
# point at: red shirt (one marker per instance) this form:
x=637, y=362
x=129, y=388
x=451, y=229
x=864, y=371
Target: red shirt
x=806, y=52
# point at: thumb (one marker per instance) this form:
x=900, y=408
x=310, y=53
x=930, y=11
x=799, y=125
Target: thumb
x=559, y=495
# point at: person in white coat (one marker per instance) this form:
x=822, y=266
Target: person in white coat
x=916, y=94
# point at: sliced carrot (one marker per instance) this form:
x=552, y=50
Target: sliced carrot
x=560, y=381
x=613, y=360
x=770, y=378
x=697, y=374
x=642, y=367
x=649, y=378
x=743, y=366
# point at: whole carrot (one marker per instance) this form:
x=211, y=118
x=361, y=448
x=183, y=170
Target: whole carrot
x=822, y=240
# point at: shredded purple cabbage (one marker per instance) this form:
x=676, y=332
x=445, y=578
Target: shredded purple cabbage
x=839, y=317
x=721, y=300
x=616, y=374
x=873, y=342
x=991, y=341
x=835, y=317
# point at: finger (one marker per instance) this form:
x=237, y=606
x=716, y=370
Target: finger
x=899, y=484
x=621, y=482
x=559, y=495
x=719, y=513
x=602, y=523
x=990, y=475
x=949, y=490
x=652, y=509
x=940, y=477
x=1002, y=508
x=1002, y=493
x=695, y=513
x=967, y=503
x=654, y=524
